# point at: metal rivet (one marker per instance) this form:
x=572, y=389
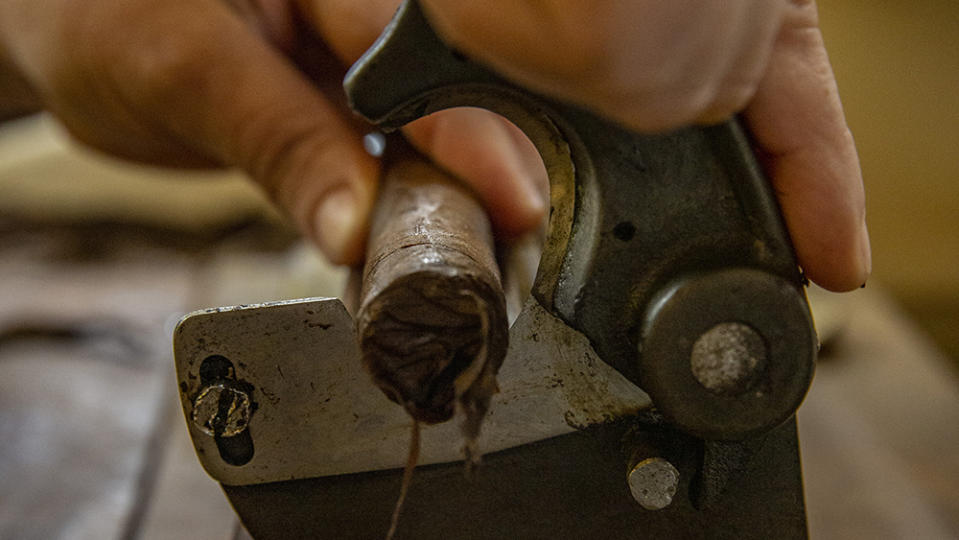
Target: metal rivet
x=653, y=483
x=727, y=357
x=221, y=410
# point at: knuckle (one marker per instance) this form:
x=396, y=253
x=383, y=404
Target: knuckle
x=160, y=70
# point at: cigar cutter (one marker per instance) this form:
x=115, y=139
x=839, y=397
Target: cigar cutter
x=651, y=381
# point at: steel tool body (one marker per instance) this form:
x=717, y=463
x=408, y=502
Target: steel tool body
x=650, y=383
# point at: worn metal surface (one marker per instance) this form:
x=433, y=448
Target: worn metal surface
x=679, y=317
x=632, y=216
x=653, y=483
x=316, y=413
x=727, y=358
x=220, y=410
x=571, y=487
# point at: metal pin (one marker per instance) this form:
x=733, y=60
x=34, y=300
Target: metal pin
x=653, y=483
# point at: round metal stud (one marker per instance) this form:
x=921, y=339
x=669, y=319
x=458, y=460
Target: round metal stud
x=728, y=354
x=653, y=483
x=727, y=358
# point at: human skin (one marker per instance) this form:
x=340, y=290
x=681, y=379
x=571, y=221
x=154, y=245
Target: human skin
x=16, y=96
x=211, y=83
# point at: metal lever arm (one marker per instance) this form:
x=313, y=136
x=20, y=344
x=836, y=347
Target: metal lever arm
x=654, y=241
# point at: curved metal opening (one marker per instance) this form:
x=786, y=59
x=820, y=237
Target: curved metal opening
x=556, y=144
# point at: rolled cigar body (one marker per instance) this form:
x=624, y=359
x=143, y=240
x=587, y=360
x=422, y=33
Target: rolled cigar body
x=432, y=319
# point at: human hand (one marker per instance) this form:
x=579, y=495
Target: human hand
x=145, y=80
x=221, y=83
x=659, y=65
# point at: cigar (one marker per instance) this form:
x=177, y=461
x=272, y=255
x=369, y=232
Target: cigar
x=431, y=323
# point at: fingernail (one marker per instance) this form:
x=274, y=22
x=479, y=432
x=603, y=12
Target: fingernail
x=336, y=222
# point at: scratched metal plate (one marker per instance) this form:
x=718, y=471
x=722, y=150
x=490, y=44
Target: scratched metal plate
x=317, y=413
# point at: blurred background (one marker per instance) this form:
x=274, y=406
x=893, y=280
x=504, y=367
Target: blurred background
x=898, y=70
x=99, y=259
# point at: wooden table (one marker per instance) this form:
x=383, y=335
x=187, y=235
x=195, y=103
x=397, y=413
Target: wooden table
x=95, y=445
